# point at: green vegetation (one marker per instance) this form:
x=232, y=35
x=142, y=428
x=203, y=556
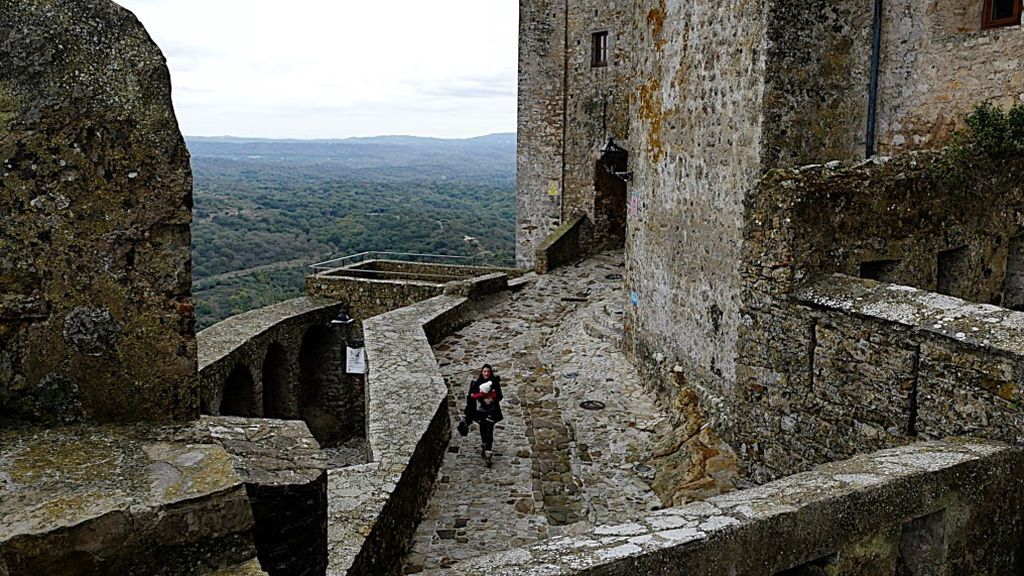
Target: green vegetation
x=978, y=154
x=292, y=203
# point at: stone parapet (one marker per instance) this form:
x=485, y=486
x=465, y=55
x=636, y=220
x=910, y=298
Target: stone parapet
x=285, y=476
x=119, y=500
x=566, y=244
x=375, y=508
x=945, y=507
x=958, y=366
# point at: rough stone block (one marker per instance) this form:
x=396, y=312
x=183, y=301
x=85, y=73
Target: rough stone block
x=96, y=316
x=85, y=501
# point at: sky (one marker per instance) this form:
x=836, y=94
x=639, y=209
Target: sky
x=338, y=68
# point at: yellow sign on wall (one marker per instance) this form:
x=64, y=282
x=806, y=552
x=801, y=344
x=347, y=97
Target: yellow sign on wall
x=553, y=188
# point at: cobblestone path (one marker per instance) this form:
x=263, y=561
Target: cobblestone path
x=558, y=467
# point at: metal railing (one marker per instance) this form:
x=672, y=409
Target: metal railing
x=479, y=260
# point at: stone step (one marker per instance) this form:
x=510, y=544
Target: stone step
x=605, y=323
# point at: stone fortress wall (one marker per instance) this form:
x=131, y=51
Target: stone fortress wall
x=718, y=245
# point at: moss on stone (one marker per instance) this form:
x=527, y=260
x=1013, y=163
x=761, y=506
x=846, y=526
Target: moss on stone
x=8, y=109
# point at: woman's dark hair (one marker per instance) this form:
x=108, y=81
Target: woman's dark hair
x=485, y=367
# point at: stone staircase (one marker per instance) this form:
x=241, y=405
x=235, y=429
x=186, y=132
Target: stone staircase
x=604, y=322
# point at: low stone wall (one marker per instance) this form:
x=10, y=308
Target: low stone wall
x=946, y=507
x=397, y=284
x=374, y=508
x=120, y=500
x=565, y=244
x=944, y=366
x=368, y=297
x=285, y=476
x=861, y=365
x=246, y=340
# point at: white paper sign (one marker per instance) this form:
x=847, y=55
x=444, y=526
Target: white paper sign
x=355, y=360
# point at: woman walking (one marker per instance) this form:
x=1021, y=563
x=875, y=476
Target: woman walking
x=483, y=405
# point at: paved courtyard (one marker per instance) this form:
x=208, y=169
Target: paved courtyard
x=558, y=467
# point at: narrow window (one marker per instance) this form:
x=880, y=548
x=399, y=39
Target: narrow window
x=881, y=270
x=599, y=49
x=1001, y=13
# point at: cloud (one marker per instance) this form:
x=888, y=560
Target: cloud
x=323, y=68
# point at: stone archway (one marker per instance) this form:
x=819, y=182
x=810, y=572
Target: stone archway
x=276, y=383
x=239, y=397
x=319, y=371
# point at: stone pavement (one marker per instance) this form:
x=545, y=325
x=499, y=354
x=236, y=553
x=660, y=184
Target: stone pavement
x=558, y=468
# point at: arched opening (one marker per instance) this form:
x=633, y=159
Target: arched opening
x=275, y=382
x=319, y=369
x=239, y=394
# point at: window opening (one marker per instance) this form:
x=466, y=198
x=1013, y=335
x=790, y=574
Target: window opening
x=599, y=49
x=1000, y=13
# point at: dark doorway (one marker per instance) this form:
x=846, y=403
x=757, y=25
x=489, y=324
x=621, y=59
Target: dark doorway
x=275, y=382
x=610, y=175
x=239, y=394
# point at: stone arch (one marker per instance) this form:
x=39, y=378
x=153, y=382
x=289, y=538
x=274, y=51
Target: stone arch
x=316, y=372
x=276, y=382
x=239, y=397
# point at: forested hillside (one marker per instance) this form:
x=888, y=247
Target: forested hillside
x=266, y=209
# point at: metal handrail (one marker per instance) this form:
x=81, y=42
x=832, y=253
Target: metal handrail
x=344, y=261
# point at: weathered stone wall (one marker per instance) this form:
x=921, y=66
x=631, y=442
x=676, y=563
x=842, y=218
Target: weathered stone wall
x=597, y=98
x=539, y=166
x=96, y=319
x=295, y=359
x=814, y=387
x=285, y=476
x=950, y=507
x=695, y=152
x=817, y=72
x=366, y=297
x=567, y=243
x=937, y=65
x=90, y=500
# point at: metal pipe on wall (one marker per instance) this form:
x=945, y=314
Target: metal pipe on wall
x=876, y=49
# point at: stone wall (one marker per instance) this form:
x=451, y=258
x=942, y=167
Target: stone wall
x=950, y=507
x=695, y=152
x=367, y=298
x=295, y=366
x=814, y=387
x=597, y=99
x=96, y=317
x=566, y=244
x=285, y=476
x=375, y=508
x=937, y=64
x=541, y=128
x=89, y=500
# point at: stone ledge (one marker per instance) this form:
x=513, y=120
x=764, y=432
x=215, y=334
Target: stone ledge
x=223, y=338
x=118, y=500
x=981, y=326
x=374, y=508
x=285, y=476
x=850, y=514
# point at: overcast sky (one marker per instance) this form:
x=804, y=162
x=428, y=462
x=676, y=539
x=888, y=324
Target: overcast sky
x=338, y=68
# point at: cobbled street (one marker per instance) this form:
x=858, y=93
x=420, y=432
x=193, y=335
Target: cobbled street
x=558, y=467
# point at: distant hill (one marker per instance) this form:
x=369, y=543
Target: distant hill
x=264, y=207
